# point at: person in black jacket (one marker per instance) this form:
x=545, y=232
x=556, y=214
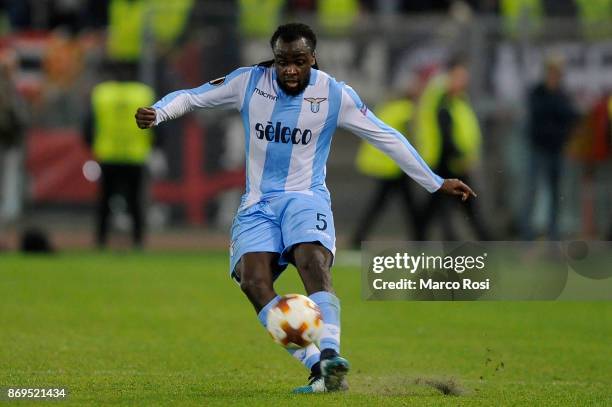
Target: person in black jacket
x=551, y=118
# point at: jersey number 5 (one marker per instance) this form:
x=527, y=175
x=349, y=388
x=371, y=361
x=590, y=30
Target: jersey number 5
x=321, y=218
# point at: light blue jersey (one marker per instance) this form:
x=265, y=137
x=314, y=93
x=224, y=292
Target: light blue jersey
x=287, y=137
x=287, y=144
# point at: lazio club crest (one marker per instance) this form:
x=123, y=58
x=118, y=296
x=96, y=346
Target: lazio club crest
x=315, y=103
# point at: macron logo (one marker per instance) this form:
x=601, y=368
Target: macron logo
x=266, y=95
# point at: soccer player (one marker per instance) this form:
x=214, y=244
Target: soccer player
x=290, y=111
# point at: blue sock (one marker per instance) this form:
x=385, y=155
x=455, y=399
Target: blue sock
x=330, y=312
x=263, y=313
x=309, y=355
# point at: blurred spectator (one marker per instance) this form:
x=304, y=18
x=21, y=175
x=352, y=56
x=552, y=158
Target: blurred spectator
x=63, y=59
x=521, y=16
x=258, y=18
x=551, y=117
x=449, y=140
x=12, y=126
x=390, y=179
x=337, y=16
x=125, y=27
x=131, y=20
x=591, y=145
x=595, y=18
x=120, y=148
x=63, y=65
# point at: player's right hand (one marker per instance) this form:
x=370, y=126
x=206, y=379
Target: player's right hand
x=457, y=188
x=145, y=117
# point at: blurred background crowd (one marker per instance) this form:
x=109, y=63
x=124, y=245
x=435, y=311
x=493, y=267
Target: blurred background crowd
x=512, y=95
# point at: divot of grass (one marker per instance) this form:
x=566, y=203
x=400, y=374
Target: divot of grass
x=448, y=387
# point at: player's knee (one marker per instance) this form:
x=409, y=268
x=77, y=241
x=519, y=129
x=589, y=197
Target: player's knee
x=251, y=283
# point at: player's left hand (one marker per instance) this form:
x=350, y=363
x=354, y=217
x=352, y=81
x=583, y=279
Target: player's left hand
x=458, y=188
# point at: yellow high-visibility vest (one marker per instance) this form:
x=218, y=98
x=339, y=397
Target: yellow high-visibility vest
x=337, y=16
x=517, y=13
x=259, y=18
x=125, y=26
x=465, y=131
x=370, y=160
x=117, y=138
x=169, y=19
x=127, y=22
x=595, y=17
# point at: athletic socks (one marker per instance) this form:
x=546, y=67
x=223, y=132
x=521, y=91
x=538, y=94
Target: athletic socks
x=308, y=356
x=330, y=312
x=263, y=313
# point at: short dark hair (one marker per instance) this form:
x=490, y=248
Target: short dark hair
x=294, y=31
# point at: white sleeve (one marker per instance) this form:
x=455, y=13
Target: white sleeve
x=226, y=92
x=355, y=117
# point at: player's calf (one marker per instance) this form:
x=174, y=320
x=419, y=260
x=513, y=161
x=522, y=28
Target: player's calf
x=258, y=293
x=313, y=262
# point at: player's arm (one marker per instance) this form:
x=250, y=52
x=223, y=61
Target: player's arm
x=226, y=92
x=358, y=119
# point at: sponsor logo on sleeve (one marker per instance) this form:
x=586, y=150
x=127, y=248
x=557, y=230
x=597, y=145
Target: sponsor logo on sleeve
x=363, y=109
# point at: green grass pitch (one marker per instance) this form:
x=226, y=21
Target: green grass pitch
x=172, y=329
